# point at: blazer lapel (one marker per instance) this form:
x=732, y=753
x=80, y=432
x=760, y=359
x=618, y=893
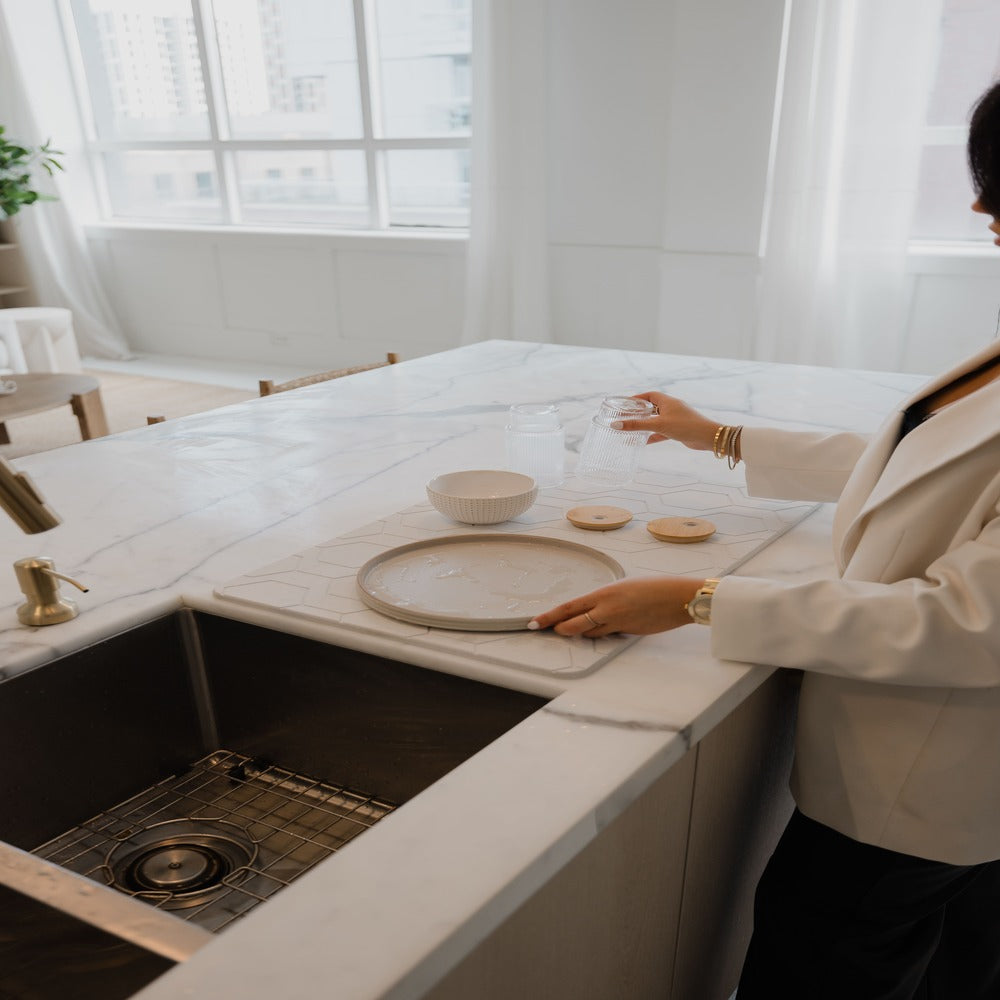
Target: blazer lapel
x=957, y=429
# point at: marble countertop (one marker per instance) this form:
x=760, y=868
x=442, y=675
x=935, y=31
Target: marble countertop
x=159, y=517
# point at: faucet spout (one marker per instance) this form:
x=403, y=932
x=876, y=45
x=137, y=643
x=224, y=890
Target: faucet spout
x=21, y=500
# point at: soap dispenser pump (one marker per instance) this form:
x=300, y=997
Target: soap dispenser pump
x=39, y=582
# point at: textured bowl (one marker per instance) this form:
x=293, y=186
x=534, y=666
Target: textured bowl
x=482, y=496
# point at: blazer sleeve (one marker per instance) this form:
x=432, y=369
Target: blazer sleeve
x=941, y=629
x=799, y=465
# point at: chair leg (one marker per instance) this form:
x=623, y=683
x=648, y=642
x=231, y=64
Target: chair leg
x=89, y=411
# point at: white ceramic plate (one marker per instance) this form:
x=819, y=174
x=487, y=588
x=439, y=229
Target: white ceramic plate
x=481, y=583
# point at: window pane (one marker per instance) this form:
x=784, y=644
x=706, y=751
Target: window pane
x=303, y=188
x=290, y=68
x=944, y=194
x=143, y=69
x=428, y=187
x=968, y=62
x=172, y=186
x=968, y=59
x=424, y=48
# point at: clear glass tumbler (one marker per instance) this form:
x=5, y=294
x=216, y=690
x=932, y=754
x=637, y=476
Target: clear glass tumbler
x=536, y=443
x=610, y=457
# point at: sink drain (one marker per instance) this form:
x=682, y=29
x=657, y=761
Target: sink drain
x=180, y=862
x=218, y=839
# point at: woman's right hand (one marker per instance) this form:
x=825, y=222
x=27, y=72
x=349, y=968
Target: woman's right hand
x=675, y=421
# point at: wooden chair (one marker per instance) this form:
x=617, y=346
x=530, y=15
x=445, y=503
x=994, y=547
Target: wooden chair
x=268, y=387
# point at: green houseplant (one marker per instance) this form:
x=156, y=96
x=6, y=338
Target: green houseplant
x=17, y=162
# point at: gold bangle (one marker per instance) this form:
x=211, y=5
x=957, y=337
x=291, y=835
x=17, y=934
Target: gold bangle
x=726, y=444
x=734, y=451
x=715, y=441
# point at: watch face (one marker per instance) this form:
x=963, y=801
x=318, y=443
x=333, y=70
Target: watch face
x=701, y=608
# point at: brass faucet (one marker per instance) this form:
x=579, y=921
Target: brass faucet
x=22, y=501
x=37, y=576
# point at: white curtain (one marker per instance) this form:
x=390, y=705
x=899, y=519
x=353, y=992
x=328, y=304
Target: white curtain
x=50, y=233
x=506, y=264
x=855, y=83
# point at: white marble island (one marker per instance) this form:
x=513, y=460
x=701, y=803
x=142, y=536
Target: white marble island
x=159, y=518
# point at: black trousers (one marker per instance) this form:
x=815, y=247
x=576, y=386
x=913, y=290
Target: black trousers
x=835, y=919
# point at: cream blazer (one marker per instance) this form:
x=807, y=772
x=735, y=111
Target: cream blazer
x=898, y=738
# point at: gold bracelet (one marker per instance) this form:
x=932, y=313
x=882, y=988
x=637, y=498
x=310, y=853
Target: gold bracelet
x=734, y=451
x=726, y=444
x=715, y=441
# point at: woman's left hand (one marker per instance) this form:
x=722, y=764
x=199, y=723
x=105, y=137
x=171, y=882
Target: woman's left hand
x=641, y=607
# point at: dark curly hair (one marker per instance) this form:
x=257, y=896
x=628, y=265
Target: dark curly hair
x=984, y=149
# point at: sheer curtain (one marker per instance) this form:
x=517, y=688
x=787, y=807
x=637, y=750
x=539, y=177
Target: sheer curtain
x=49, y=233
x=506, y=263
x=852, y=97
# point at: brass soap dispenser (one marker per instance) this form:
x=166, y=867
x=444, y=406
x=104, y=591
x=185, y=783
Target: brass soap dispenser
x=39, y=582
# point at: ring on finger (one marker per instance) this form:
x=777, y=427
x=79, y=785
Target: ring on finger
x=586, y=615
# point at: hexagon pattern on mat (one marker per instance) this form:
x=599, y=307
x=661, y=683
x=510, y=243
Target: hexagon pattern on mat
x=319, y=583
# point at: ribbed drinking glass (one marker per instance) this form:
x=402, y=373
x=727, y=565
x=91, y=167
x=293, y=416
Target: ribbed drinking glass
x=610, y=457
x=536, y=443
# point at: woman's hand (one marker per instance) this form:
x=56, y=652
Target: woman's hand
x=640, y=606
x=676, y=421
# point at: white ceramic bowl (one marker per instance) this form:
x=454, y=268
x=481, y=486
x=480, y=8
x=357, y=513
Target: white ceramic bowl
x=482, y=496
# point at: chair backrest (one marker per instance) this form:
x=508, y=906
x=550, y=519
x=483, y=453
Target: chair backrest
x=269, y=388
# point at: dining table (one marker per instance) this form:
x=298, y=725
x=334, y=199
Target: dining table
x=22, y=395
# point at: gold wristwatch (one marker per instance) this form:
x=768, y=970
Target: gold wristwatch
x=700, y=606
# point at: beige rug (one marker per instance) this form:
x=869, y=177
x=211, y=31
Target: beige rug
x=128, y=401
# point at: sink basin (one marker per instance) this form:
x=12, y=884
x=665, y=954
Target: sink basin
x=205, y=702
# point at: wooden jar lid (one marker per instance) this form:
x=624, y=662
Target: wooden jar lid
x=599, y=518
x=681, y=529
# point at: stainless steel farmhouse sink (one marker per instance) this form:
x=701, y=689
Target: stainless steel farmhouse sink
x=158, y=785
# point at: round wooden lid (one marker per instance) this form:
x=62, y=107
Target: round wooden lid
x=599, y=518
x=681, y=529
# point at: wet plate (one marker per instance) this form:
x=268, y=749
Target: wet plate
x=481, y=582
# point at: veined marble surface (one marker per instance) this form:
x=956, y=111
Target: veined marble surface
x=320, y=583
x=159, y=517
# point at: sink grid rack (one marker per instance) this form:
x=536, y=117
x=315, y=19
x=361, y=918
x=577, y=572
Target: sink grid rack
x=289, y=822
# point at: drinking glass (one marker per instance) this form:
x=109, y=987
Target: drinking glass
x=536, y=443
x=610, y=457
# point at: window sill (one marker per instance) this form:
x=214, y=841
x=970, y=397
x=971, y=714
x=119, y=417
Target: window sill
x=953, y=257
x=397, y=239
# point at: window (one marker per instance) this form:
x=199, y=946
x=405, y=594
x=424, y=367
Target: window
x=343, y=113
x=968, y=62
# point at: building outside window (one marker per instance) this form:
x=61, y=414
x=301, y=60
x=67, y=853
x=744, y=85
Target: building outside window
x=337, y=113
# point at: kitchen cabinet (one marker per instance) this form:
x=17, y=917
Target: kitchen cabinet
x=659, y=903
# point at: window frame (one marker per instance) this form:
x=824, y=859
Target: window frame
x=224, y=149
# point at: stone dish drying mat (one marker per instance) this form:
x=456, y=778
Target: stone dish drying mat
x=319, y=583
x=483, y=582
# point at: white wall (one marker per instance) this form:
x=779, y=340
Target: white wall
x=660, y=117
x=311, y=299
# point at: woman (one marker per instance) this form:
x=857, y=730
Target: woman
x=886, y=882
